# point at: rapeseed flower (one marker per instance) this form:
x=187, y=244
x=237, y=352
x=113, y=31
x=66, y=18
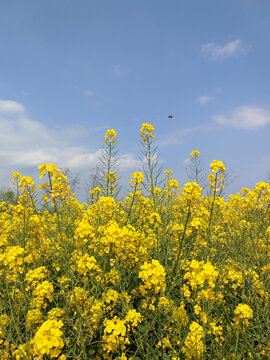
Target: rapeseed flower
x=47, y=339
x=110, y=136
x=136, y=179
x=133, y=317
x=153, y=275
x=147, y=131
x=217, y=165
x=244, y=314
x=194, y=154
x=194, y=345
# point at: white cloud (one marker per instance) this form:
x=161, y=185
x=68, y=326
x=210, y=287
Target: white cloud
x=222, y=52
x=204, y=99
x=10, y=107
x=246, y=117
x=186, y=161
x=127, y=161
x=89, y=92
x=81, y=160
x=120, y=71
x=25, y=144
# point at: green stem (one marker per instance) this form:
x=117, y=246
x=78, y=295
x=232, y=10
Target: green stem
x=150, y=166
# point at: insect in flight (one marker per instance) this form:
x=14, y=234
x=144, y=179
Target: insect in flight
x=170, y=116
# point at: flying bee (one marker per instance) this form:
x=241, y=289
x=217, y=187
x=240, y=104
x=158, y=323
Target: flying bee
x=170, y=116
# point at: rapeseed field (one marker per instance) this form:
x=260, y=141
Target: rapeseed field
x=165, y=273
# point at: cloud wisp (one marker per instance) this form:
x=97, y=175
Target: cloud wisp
x=246, y=117
x=89, y=92
x=120, y=71
x=204, y=99
x=25, y=144
x=222, y=52
x=177, y=137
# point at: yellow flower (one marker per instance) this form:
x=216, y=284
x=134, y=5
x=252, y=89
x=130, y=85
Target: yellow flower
x=16, y=175
x=114, y=334
x=153, y=275
x=47, y=339
x=112, y=177
x=110, y=136
x=194, y=346
x=217, y=165
x=147, y=132
x=173, y=184
x=154, y=219
x=136, y=178
x=200, y=273
x=111, y=298
x=244, y=311
x=55, y=313
x=244, y=314
x=33, y=317
x=133, y=317
x=43, y=290
x=194, y=155
x=33, y=276
x=50, y=168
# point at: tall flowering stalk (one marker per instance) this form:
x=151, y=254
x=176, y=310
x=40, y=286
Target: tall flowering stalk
x=216, y=184
x=196, y=170
x=136, y=181
x=107, y=168
x=150, y=167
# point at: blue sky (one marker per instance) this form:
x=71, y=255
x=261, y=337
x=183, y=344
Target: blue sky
x=69, y=70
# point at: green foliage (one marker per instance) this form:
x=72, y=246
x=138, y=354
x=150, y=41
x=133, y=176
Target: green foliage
x=8, y=196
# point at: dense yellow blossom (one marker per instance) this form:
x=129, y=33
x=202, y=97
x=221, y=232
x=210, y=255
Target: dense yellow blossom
x=47, y=339
x=110, y=136
x=194, y=345
x=243, y=313
x=157, y=273
x=153, y=275
x=217, y=165
x=34, y=316
x=194, y=154
x=133, y=317
x=147, y=131
x=136, y=178
x=201, y=272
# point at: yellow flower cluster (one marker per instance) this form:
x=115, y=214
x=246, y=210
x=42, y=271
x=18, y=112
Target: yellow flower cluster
x=194, y=345
x=57, y=186
x=4, y=321
x=110, y=136
x=34, y=316
x=159, y=274
x=133, y=317
x=173, y=185
x=42, y=292
x=47, y=339
x=244, y=313
x=33, y=276
x=136, y=179
x=147, y=132
x=114, y=335
x=194, y=155
x=12, y=258
x=153, y=275
x=85, y=264
x=217, y=165
x=201, y=272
